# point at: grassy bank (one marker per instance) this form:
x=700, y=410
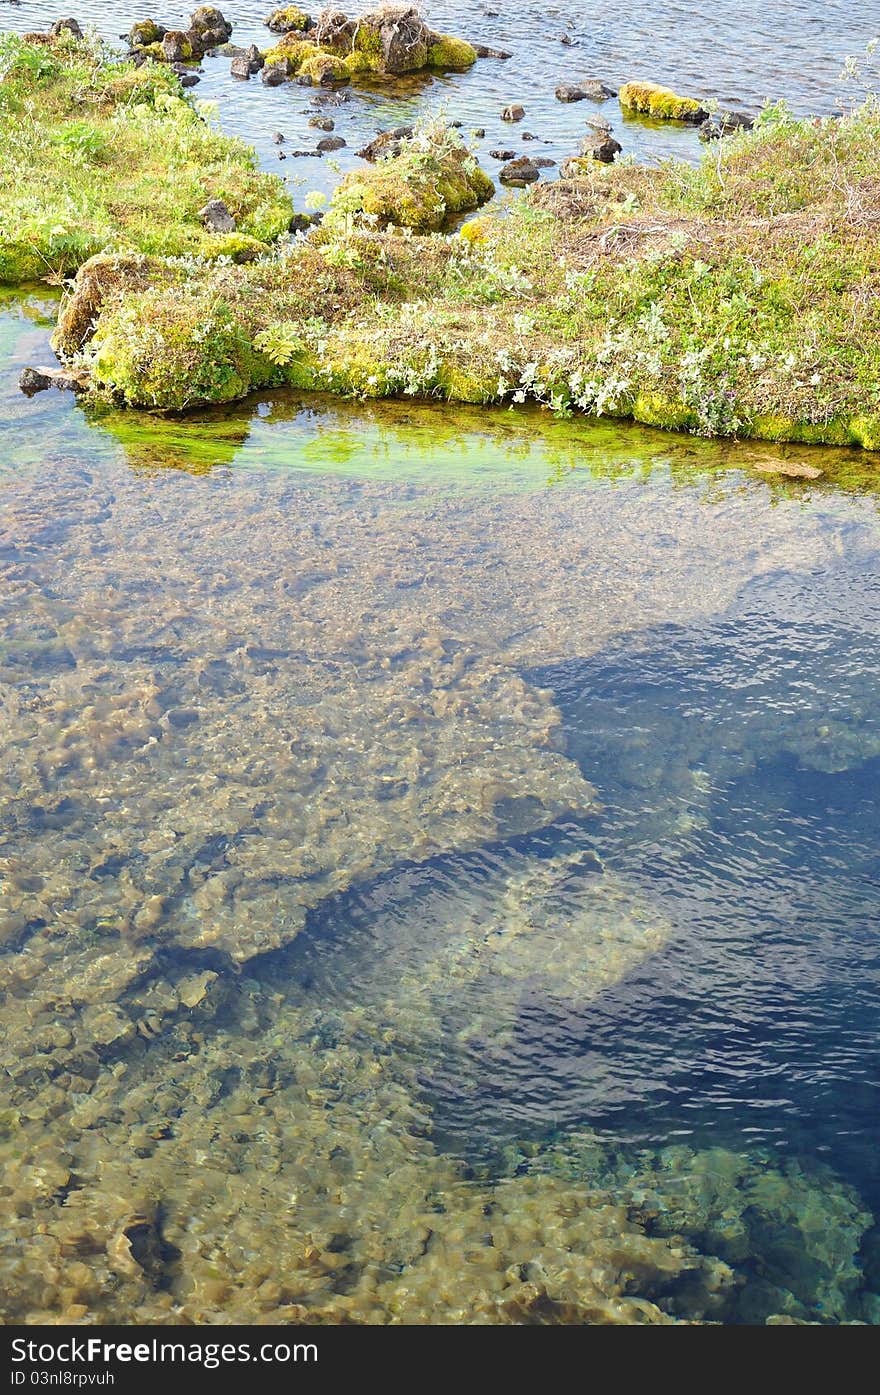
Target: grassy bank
x=99, y=154
x=738, y=297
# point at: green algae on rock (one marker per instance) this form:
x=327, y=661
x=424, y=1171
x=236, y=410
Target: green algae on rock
x=101, y=155
x=661, y=103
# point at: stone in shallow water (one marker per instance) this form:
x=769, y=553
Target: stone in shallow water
x=793, y=469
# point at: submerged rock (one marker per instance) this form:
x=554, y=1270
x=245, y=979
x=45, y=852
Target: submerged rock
x=482, y=51
x=513, y=113
x=33, y=380
x=793, y=469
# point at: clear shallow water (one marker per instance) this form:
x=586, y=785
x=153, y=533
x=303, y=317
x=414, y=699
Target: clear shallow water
x=743, y=56
x=439, y=868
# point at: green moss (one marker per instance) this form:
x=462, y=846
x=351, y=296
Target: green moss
x=358, y=62
x=453, y=55
x=471, y=384
x=368, y=40
x=237, y=246
x=654, y=409
x=659, y=102
x=164, y=351
x=86, y=146
x=324, y=67
x=144, y=33
x=291, y=52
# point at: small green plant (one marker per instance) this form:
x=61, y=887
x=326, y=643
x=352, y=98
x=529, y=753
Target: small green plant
x=280, y=342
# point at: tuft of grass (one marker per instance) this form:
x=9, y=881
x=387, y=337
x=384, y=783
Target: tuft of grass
x=96, y=153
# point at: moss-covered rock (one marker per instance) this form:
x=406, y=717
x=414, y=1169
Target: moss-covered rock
x=433, y=178
x=451, y=55
x=288, y=19
x=389, y=41
x=210, y=26
x=144, y=33
x=661, y=103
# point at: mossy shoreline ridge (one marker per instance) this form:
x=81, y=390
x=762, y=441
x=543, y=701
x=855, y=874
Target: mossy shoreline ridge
x=733, y=298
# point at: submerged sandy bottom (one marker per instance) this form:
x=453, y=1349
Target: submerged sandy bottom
x=229, y=697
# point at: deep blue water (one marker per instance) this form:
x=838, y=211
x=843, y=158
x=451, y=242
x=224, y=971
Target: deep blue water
x=738, y=763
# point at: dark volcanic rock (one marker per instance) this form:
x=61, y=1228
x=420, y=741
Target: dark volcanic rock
x=71, y=26
x=216, y=217
x=482, y=51
x=724, y=123
x=513, y=113
x=386, y=144
x=593, y=90
x=145, y=31
x=274, y=74
x=210, y=26
x=502, y=154
x=331, y=143
x=322, y=123
x=32, y=380
x=604, y=150
x=176, y=46
x=279, y=22
x=520, y=172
